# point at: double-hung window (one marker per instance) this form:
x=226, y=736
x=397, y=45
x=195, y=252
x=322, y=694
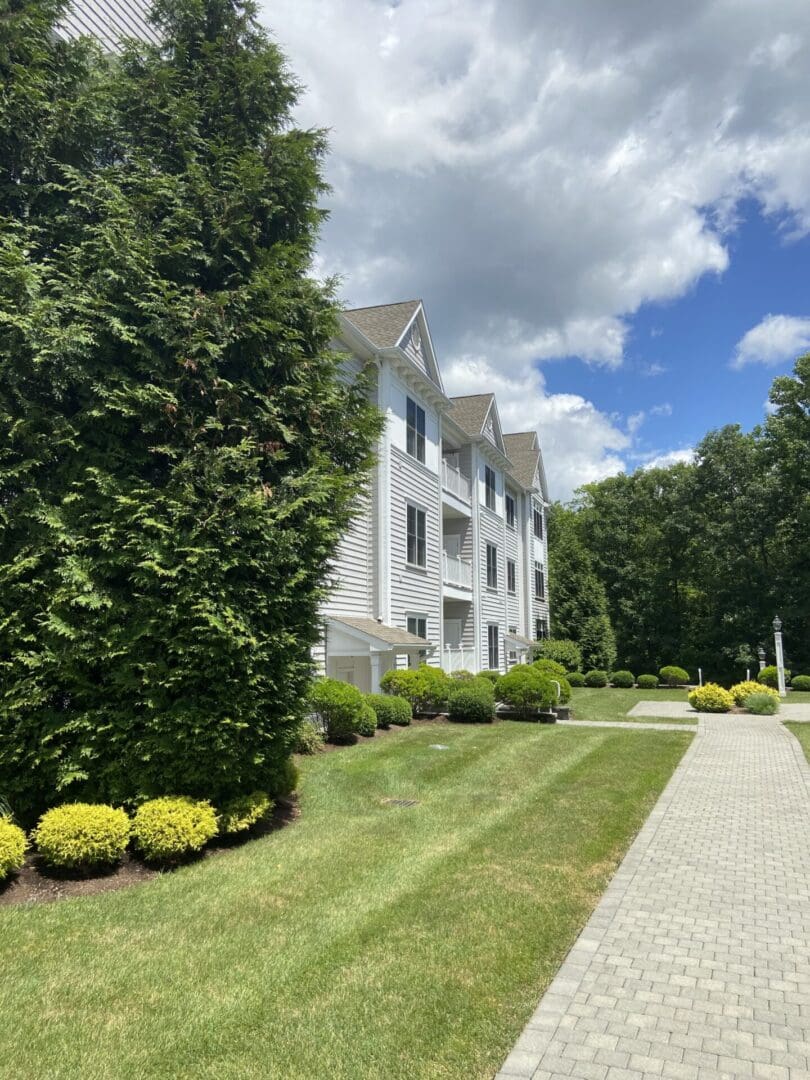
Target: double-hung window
x=417, y=624
x=537, y=517
x=510, y=576
x=539, y=581
x=489, y=487
x=492, y=647
x=415, y=435
x=540, y=629
x=511, y=516
x=417, y=547
x=492, y=566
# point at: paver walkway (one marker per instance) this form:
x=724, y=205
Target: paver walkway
x=696, y=963
x=683, y=710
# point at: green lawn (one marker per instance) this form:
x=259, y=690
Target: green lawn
x=802, y=733
x=365, y=940
x=610, y=704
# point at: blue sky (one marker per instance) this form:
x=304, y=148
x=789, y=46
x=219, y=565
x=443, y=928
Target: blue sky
x=578, y=191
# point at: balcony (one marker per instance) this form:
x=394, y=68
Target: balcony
x=457, y=658
x=456, y=572
x=454, y=481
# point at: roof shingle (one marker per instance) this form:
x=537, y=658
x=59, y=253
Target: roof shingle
x=523, y=451
x=470, y=412
x=384, y=324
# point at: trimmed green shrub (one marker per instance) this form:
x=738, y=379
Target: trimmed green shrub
x=425, y=687
x=472, y=702
x=308, y=739
x=800, y=682
x=596, y=678
x=82, y=835
x=367, y=721
x=576, y=678
x=462, y=675
x=168, y=829
x=338, y=706
x=243, y=812
x=550, y=668
x=762, y=704
x=769, y=676
x=622, y=680
x=526, y=689
x=673, y=675
x=389, y=710
x=283, y=779
x=489, y=674
x=562, y=650
x=742, y=690
x=647, y=682
x=711, y=698
x=13, y=845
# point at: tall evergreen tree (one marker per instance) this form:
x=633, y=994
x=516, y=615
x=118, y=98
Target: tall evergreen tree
x=177, y=441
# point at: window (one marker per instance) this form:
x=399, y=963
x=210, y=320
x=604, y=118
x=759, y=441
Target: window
x=492, y=566
x=489, y=487
x=492, y=642
x=417, y=624
x=510, y=511
x=417, y=551
x=510, y=576
x=537, y=516
x=540, y=629
x=415, y=437
x=539, y=581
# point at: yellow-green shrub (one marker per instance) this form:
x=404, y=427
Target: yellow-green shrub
x=168, y=829
x=243, y=812
x=711, y=698
x=13, y=845
x=742, y=690
x=82, y=834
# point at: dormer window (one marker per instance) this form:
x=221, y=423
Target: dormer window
x=415, y=436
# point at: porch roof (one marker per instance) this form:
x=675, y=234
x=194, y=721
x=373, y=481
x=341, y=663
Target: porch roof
x=519, y=641
x=378, y=636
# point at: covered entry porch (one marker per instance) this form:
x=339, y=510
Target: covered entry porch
x=360, y=651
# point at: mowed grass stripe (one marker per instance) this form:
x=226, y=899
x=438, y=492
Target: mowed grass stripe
x=364, y=941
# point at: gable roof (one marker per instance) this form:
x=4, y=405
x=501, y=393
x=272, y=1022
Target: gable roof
x=470, y=412
x=388, y=635
x=108, y=21
x=384, y=324
x=523, y=451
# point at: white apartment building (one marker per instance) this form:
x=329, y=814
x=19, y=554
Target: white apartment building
x=446, y=560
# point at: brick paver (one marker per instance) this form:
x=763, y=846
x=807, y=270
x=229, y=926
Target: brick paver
x=696, y=963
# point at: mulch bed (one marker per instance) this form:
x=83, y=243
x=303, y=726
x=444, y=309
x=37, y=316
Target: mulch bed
x=36, y=883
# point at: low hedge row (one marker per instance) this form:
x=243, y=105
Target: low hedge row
x=166, y=830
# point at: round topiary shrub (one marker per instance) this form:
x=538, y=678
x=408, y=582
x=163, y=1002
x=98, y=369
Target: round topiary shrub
x=576, y=678
x=673, y=675
x=742, y=690
x=168, y=829
x=82, y=835
x=596, y=678
x=647, y=682
x=472, y=702
x=243, y=812
x=426, y=688
x=550, y=667
x=367, y=721
x=283, y=779
x=308, y=739
x=390, y=710
x=13, y=845
x=622, y=680
x=800, y=682
x=490, y=675
x=462, y=675
x=769, y=676
x=711, y=698
x=338, y=707
x=762, y=704
x=527, y=690
x=564, y=651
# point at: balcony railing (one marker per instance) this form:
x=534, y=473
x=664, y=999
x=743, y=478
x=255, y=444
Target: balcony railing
x=456, y=572
x=458, y=658
x=455, y=481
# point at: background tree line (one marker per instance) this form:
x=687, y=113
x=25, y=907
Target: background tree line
x=689, y=564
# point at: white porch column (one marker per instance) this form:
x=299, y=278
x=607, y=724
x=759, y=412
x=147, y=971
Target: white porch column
x=375, y=672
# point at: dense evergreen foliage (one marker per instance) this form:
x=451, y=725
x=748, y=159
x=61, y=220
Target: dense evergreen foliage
x=692, y=562
x=178, y=456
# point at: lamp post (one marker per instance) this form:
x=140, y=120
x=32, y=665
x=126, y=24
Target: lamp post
x=761, y=655
x=780, y=657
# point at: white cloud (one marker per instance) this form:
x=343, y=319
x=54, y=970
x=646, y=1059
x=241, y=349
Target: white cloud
x=775, y=340
x=670, y=457
x=537, y=172
x=665, y=409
